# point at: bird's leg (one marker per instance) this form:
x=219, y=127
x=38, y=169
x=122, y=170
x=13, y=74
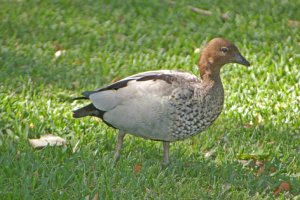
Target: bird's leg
x=166, y=146
x=119, y=145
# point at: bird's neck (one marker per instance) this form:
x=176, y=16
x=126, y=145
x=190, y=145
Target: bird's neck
x=211, y=81
x=209, y=72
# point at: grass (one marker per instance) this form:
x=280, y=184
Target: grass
x=104, y=40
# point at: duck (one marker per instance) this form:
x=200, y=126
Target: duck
x=165, y=105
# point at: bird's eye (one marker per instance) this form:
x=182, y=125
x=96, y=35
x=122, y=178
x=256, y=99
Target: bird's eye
x=224, y=49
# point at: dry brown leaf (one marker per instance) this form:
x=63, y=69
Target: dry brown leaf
x=248, y=125
x=259, y=163
x=272, y=169
x=244, y=162
x=137, y=168
x=284, y=186
x=277, y=191
x=57, y=47
x=260, y=170
x=200, y=11
x=271, y=142
x=261, y=167
x=293, y=23
x=209, y=153
x=47, y=140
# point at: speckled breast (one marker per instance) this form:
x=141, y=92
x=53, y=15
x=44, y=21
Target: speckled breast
x=193, y=111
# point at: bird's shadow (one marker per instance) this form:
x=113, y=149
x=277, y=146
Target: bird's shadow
x=231, y=175
x=237, y=174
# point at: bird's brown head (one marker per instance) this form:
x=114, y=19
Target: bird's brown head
x=217, y=53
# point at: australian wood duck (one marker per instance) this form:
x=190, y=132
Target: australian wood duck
x=165, y=105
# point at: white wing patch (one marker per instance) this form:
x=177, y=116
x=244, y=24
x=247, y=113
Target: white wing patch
x=109, y=99
x=105, y=100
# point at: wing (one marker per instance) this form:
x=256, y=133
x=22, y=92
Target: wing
x=153, y=83
x=168, y=76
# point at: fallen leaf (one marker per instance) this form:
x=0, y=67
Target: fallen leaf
x=293, y=23
x=277, y=191
x=244, y=162
x=284, y=186
x=272, y=169
x=47, y=140
x=200, y=11
x=260, y=170
x=247, y=163
x=209, y=153
x=271, y=142
x=57, y=47
x=248, y=125
x=137, y=168
x=259, y=163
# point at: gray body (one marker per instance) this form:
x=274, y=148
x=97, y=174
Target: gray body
x=162, y=105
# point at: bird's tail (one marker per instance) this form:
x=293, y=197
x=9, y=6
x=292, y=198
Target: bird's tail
x=88, y=110
x=78, y=98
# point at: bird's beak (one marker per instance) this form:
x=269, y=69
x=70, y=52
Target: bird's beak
x=241, y=60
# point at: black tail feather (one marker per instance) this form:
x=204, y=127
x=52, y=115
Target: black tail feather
x=89, y=110
x=78, y=98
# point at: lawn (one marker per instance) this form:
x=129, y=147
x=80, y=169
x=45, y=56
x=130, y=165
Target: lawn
x=251, y=152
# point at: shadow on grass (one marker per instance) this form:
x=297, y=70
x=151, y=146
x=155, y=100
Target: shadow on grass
x=251, y=175
x=232, y=176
